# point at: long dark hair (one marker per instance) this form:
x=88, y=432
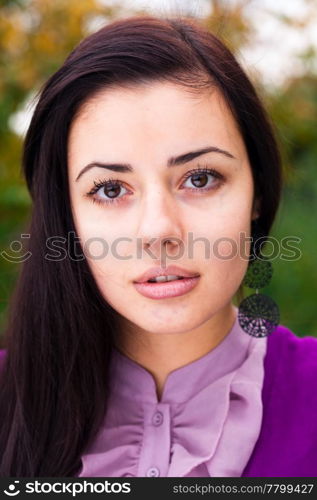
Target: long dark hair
x=60, y=331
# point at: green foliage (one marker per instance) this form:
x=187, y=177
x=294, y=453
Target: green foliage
x=294, y=111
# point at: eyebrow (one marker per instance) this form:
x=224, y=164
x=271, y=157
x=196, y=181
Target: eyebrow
x=171, y=162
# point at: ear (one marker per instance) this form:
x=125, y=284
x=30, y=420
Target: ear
x=256, y=208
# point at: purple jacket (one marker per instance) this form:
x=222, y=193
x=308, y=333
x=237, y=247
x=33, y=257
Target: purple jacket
x=287, y=444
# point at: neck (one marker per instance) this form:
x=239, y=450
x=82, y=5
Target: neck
x=161, y=354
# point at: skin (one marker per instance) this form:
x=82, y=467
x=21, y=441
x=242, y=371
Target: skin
x=143, y=126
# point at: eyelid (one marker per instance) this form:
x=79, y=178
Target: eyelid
x=105, y=182
x=202, y=169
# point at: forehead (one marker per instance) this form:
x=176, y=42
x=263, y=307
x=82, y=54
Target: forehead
x=155, y=118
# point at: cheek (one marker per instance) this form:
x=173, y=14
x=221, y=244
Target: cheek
x=97, y=233
x=228, y=230
x=106, y=251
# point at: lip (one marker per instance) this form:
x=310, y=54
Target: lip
x=166, y=289
x=154, y=272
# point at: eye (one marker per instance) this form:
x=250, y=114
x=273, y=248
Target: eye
x=203, y=179
x=109, y=191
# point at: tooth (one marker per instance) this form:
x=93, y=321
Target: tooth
x=161, y=279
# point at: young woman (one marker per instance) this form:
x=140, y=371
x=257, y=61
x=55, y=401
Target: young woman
x=149, y=154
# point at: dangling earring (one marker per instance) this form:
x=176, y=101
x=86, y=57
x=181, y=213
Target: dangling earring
x=258, y=314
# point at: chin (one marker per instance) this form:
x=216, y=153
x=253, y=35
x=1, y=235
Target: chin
x=167, y=326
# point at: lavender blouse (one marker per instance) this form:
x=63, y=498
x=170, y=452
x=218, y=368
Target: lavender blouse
x=193, y=429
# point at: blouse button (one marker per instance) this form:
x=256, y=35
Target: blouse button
x=157, y=418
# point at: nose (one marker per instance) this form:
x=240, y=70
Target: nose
x=160, y=226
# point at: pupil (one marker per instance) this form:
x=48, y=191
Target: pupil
x=115, y=189
x=197, y=180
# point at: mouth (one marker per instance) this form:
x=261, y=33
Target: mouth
x=163, y=287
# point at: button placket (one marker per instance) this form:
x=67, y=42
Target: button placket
x=155, y=452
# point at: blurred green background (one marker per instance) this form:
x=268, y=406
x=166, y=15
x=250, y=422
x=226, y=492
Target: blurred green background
x=37, y=35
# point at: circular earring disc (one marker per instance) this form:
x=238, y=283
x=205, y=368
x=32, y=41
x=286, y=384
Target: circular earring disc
x=258, y=315
x=259, y=274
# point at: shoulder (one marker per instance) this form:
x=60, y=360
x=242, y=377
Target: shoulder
x=284, y=344
x=291, y=360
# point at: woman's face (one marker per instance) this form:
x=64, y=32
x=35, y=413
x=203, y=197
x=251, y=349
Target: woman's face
x=205, y=215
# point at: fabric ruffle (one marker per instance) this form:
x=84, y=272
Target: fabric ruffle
x=224, y=436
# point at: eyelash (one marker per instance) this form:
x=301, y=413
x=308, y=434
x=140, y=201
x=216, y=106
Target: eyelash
x=116, y=182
